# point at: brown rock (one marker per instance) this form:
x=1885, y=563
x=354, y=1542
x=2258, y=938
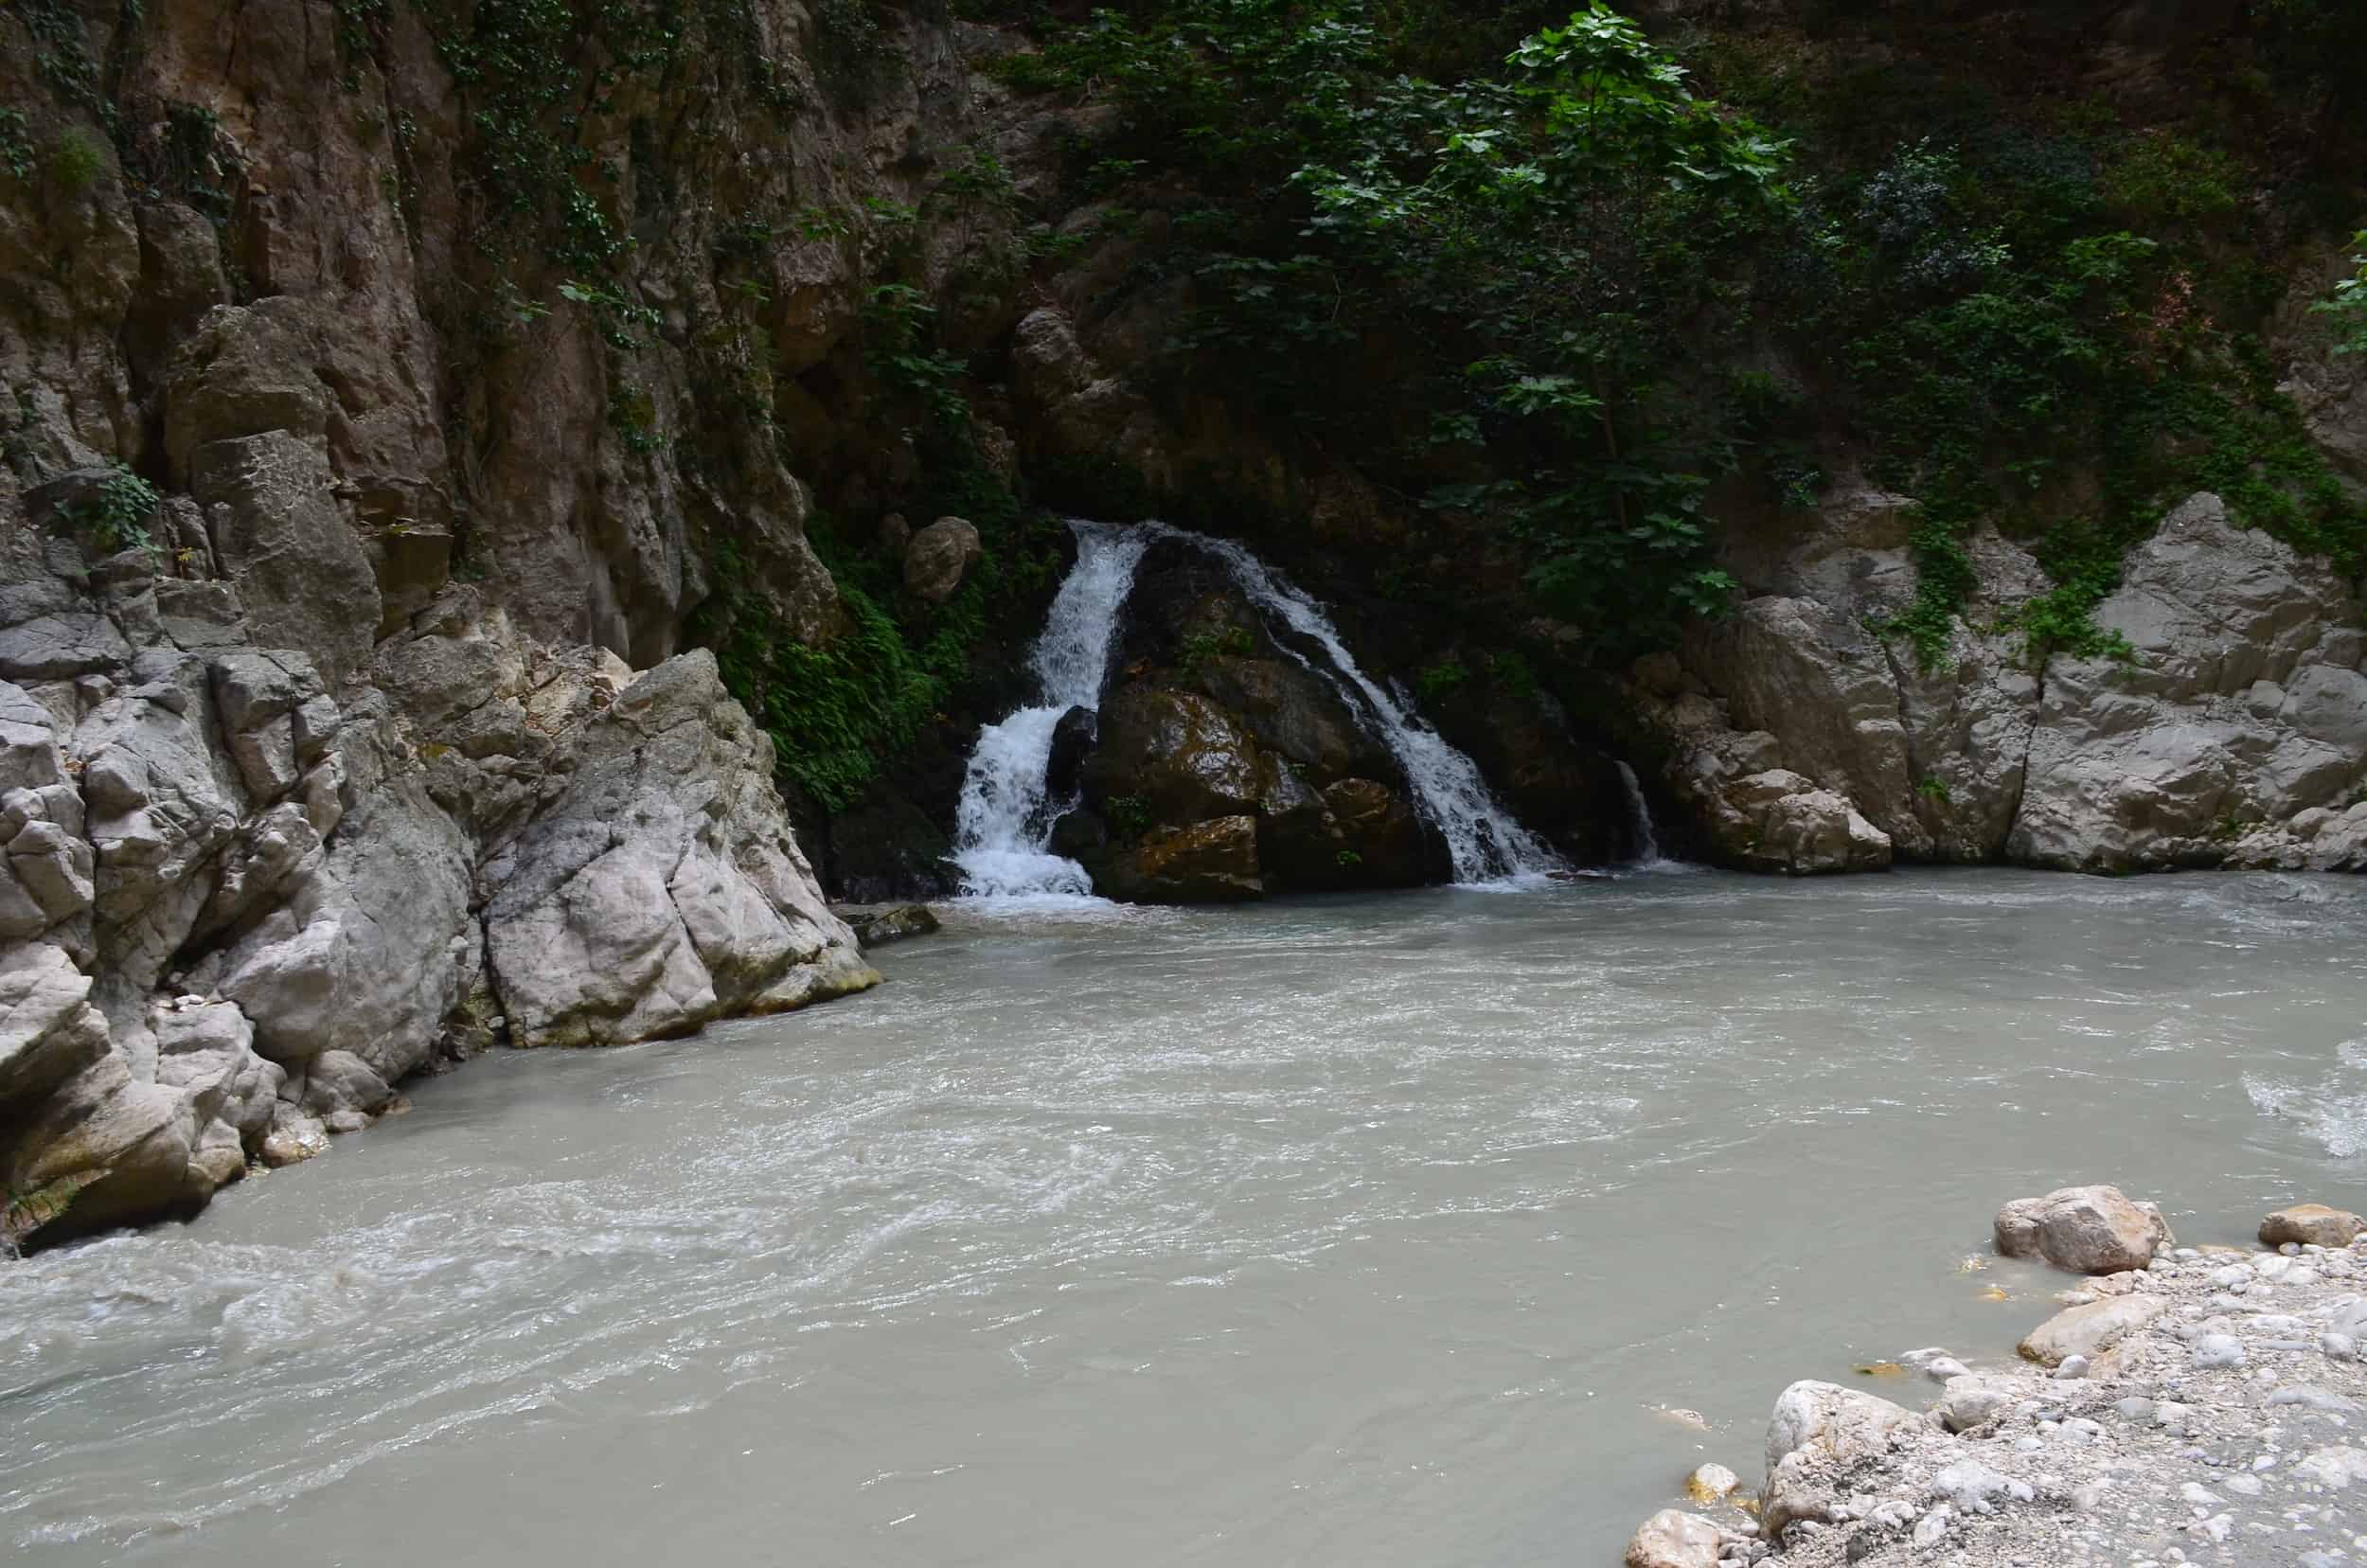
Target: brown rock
x=938, y=557
x=2094, y=1230
x=1180, y=754
x=2311, y=1223
x=1213, y=861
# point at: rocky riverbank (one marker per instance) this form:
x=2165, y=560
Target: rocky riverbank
x=2205, y=1408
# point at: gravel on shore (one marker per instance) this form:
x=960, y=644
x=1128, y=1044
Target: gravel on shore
x=2218, y=1416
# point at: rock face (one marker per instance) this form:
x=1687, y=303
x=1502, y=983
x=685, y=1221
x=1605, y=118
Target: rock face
x=239, y=905
x=2233, y=732
x=2094, y=1230
x=1225, y=768
x=373, y=740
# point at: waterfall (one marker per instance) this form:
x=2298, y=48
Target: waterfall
x=1005, y=820
x=1486, y=842
x=1004, y=823
x=1640, y=820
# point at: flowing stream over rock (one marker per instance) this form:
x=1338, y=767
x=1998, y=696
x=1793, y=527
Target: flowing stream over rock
x=1347, y=1232
x=1005, y=821
x=1647, y=853
x=1004, y=818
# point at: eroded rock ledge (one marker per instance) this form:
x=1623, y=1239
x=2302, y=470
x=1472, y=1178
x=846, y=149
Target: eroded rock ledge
x=249, y=889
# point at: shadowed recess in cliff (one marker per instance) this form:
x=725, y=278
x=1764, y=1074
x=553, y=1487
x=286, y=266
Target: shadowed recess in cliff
x=1009, y=808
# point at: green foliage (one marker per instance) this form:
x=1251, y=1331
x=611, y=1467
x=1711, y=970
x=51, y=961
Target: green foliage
x=1442, y=680
x=632, y=414
x=2012, y=320
x=76, y=162
x=2162, y=174
x=831, y=710
x=1512, y=675
x=1520, y=252
x=2347, y=304
x=899, y=348
x=1347, y=859
x=1934, y=788
x=614, y=313
x=1200, y=647
x=1128, y=815
x=836, y=711
x=16, y=144
x=115, y=513
x=62, y=59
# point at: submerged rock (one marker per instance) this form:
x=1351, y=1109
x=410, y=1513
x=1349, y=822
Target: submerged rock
x=1712, y=1482
x=877, y=926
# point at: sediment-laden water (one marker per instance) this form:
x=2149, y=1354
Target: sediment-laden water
x=1338, y=1232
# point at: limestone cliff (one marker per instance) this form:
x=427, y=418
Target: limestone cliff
x=387, y=383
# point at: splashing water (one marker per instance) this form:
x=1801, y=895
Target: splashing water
x=1004, y=823
x=1006, y=817
x=1486, y=843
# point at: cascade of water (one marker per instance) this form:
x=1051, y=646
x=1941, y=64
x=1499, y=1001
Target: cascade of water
x=1006, y=819
x=1004, y=823
x=1640, y=819
x=1486, y=843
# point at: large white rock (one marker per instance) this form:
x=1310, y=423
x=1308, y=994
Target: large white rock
x=2091, y=1329
x=1833, y=1422
x=1671, y=1538
x=705, y=906
x=2244, y=707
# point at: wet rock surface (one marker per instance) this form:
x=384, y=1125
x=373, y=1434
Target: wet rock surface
x=877, y=925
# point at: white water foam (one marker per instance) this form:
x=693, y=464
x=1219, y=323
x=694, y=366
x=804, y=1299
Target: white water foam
x=1488, y=844
x=1006, y=818
x=1004, y=823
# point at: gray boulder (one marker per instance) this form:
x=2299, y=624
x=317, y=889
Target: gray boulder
x=663, y=888
x=939, y=557
x=2092, y=1230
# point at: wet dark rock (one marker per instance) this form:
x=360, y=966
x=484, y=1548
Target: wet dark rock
x=1079, y=836
x=877, y=925
x=1072, y=743
x=1211, y=862
x=1177, y=754
x=888, y=850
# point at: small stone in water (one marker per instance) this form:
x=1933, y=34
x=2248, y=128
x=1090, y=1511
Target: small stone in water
x=1711, y=1483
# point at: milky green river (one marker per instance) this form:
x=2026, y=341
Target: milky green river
x=1353, y=1233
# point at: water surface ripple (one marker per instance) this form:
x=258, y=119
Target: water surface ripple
x=1351, y=1231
